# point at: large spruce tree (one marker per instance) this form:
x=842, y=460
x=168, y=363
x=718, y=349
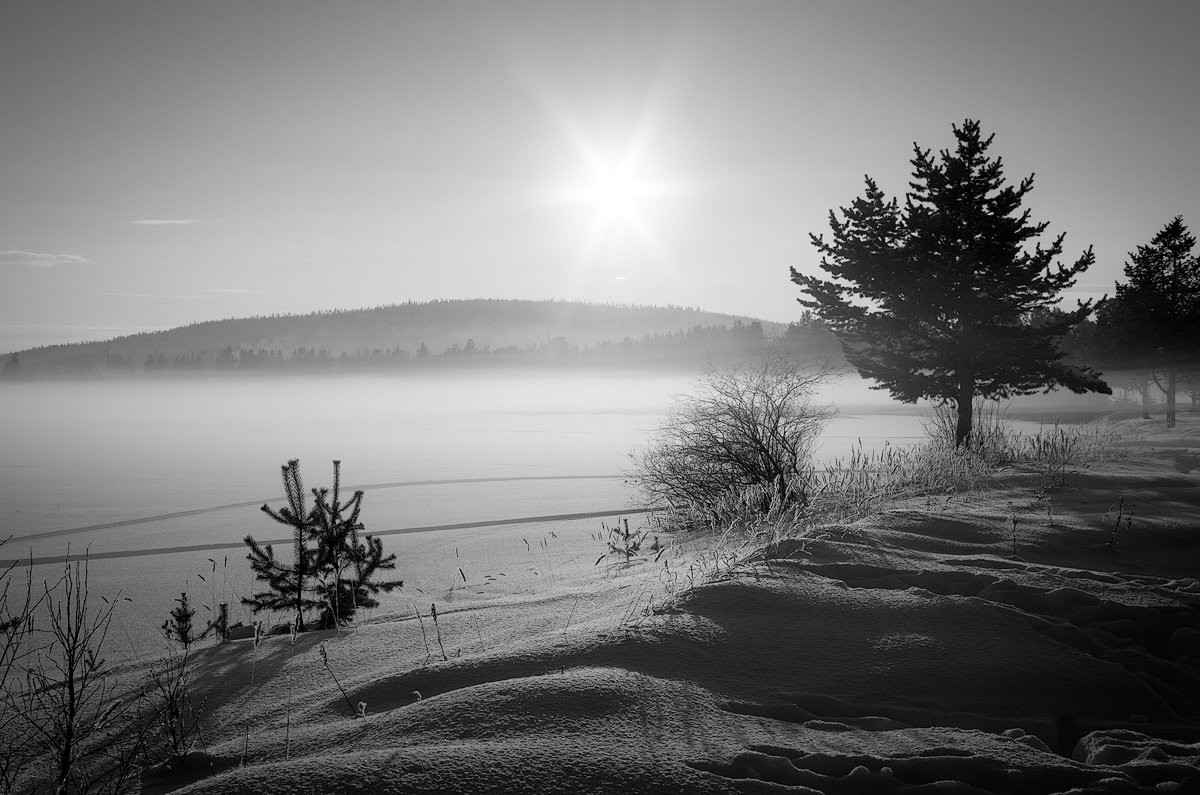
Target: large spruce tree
x=1154, y=323
x=940, y=298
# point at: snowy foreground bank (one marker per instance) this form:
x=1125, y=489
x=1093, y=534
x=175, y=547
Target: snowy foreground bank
x=911, y=652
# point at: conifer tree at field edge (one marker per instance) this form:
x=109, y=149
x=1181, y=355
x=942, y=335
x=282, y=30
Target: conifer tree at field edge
x=942, y=298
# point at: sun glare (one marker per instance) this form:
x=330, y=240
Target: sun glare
x=618, y=196
x=616, y=190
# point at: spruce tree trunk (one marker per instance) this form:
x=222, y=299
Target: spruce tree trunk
x=1144, y=390
x=300, y=576
x=1171, y=375
x=966, y=395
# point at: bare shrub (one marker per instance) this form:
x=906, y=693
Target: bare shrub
x=746, y=430
x=18, y=604
x=83, y=732
x=173, y=714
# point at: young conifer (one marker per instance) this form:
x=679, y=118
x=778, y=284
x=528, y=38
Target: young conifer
x=179, y=627
x=346, y=562
x=287, y=585
x=333, y=567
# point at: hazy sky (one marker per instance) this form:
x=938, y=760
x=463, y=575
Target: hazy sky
x=164, y=163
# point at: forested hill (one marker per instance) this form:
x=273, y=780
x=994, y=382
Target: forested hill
x=488, y=330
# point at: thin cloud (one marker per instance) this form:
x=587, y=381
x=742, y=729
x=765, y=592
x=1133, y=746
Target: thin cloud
x=233, y=291
x=167, y=221
x=146, y=295
x=35, y=259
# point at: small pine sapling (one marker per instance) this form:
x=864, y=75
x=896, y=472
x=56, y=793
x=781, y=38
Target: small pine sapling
x=333, y=569
x=286, y=584
x=346, y=562
x=219, y=626
x=179, y=627
x=325, y=662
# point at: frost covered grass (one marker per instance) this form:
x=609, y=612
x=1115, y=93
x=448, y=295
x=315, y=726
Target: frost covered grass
x=865, y=481
x=742, y=522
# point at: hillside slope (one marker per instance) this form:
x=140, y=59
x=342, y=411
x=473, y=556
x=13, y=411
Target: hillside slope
x=438, y=325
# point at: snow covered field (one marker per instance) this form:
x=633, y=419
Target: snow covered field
x=910, y=651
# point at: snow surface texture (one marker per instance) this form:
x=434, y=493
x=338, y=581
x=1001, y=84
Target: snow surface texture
x=910, y=652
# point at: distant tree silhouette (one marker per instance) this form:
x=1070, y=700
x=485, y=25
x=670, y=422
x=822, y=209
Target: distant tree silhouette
x=1190, y=386
x=12, y=368
x=226, y=359
x=1135, y=380
x=935, y=299
x=1155, y=319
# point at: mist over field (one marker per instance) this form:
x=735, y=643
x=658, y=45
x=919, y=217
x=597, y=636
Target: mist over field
x=117, y=468
x=91, y=453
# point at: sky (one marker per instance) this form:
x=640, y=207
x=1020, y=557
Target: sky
x=169, y=163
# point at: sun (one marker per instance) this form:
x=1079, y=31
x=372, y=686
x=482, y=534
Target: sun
x=616, y=193
x=622, y=199
x=616, y=190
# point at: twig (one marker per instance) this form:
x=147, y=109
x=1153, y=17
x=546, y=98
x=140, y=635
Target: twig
x=287, y=736
x=245, y=743
x=479, y=633
x=424, y=637
x=1112, y=539
x=570, y=616
x=438, y=629
x=325, y=660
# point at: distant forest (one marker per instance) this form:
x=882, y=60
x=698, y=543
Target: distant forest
x=438, y=334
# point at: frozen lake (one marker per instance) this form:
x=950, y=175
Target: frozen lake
x=151, y=464
x=160, y=480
